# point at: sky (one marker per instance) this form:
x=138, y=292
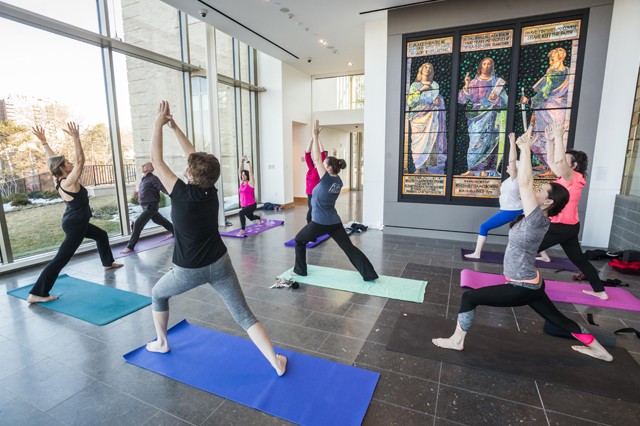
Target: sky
x=40, y=64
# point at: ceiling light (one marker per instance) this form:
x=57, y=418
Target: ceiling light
x=350, y=64
x=321, y=41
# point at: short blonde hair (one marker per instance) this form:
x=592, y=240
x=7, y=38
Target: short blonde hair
x=55, y=164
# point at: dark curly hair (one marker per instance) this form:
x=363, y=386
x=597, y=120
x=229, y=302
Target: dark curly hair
x=246, y=174
x=336, y=164
x=580, y=159
x=560, y=197
x=204, y=169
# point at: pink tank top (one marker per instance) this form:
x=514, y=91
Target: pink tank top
x=247, y=195
x=569, y=215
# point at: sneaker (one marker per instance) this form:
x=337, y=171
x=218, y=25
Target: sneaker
x=228, y=223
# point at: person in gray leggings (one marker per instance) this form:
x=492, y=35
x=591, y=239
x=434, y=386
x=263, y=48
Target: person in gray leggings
x=199, y=255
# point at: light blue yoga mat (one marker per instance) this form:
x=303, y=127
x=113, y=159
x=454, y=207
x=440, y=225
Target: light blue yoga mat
x=91, y=302
x=339, y=279
x=313, y=391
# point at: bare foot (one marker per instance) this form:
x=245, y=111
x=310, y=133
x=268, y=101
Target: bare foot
x=281, y=360
x=40, y=299
x=602, y=295
x=543, y=258
x=126, y=250
x=113, y=266
x=154, y=346
x=473, y=255
x=449, y=343
x=467, y=173
x=242, y=232
x=593, y=352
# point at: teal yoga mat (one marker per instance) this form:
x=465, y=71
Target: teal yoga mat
x=339, y=279
x=90, y=302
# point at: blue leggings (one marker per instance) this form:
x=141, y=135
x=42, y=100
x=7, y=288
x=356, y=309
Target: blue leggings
x=497, y=220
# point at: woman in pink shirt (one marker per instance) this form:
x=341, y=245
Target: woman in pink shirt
x=247, y=194
x=571, y=167
x=313, y=178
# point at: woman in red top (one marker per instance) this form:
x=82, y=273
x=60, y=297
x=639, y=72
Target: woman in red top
x=313, y=178
x=571, y=167
x=247, y=194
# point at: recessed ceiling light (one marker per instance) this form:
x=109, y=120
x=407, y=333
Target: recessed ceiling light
x=350, y=64
x=284, y=10
x=321, y=41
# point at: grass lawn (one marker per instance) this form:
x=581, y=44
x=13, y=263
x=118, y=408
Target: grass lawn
x=36, y=229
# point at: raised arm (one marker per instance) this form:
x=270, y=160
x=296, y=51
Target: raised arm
x=72, y=179
x=241, y=167
x=315, y=150
x=558, y=161
x=39, y=132
x=525, y=173
x=164, y=173
x=185, y=143
x=252, y=180
x=511, y=167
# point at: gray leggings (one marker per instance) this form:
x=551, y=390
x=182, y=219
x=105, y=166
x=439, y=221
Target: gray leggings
x=220, y=275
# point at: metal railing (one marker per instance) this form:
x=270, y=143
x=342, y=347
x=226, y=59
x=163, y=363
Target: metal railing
x=93, y=175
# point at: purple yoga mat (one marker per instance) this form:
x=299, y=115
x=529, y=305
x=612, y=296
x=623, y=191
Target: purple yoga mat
x=321, y=238
x=559, y=291
x=253, y=229
x=495, y=257
x=143, y=245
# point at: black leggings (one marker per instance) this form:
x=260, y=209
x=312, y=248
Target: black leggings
x=509, y=295
x=149, y=212
x=336, y=231
x=309, y=211
x=247, y=212
x=74, y=234
x=567, y=237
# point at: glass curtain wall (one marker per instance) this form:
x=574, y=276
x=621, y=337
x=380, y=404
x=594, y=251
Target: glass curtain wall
x=61, y=78
x=237, y=111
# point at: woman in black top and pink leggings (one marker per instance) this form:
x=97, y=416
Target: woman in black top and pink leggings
x=75, y=221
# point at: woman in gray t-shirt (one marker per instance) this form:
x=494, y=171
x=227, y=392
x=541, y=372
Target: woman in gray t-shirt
x=524, y=286
x=324, y=217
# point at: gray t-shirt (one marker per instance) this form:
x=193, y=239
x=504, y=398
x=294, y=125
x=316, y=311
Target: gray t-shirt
x=524, y=239
x=323, y=200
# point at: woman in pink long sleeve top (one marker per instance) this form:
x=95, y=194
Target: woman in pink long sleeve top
x=247, y=194
x=313, y=178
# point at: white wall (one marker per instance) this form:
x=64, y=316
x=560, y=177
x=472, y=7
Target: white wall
x=270, y=107
x=618, y=90
x=325, y=94
x=375, y=64
x=301, y=136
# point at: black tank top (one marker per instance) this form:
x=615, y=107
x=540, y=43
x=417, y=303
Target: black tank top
x=78, y=208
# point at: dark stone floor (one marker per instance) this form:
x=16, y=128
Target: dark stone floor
x=55, y=369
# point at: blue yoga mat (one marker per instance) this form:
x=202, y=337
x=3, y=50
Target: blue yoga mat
x=320, y=239
x=90, y=302
x=313, y=391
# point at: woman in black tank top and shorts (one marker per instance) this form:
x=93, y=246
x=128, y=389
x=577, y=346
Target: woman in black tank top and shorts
x=75, y=220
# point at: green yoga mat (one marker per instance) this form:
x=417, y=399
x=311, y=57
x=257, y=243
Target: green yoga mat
x=91, y=302
x=339, y=279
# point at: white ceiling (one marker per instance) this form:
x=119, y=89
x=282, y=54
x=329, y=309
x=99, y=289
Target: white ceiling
x=293, y=36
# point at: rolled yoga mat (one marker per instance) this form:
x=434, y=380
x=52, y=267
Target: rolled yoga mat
x=90, y=302
x=560, y=263
x=533, y=356
x=254, y=228
x=560, y=291
x=320, y=239
x=339, y=279
x=313, y=391
x=144, y=244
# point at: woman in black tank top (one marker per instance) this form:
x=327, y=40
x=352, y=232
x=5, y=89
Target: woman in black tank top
x=75, y=220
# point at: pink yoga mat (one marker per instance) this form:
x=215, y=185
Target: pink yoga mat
x=560, y=291
x=253, y=229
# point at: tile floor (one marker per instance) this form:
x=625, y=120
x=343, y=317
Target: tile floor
x=57, y=370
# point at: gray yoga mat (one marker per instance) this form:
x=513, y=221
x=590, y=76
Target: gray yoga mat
x=534, y=356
